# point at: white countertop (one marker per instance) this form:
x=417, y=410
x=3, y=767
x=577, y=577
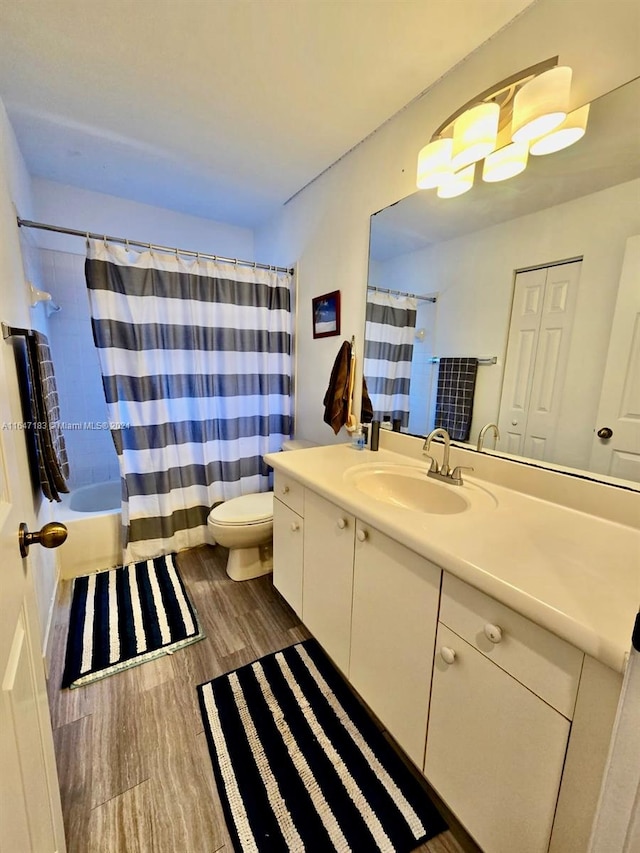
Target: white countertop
x=574, y=574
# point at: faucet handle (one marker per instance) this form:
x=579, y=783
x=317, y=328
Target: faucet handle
x=433, y=467
x=456, y=475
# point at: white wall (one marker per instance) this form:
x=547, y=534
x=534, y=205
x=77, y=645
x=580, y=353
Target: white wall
x=473, y=276
x=325, y=229
x=15, y=267
x=85, y=210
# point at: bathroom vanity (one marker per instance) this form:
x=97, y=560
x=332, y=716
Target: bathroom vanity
x=485, y=628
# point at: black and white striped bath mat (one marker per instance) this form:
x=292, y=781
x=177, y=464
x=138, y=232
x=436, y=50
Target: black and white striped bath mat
x=127, y=616
x=300, y=766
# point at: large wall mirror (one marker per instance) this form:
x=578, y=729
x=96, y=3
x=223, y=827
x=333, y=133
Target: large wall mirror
x=538, y=278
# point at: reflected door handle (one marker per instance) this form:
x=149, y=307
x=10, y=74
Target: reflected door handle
x=605, y=432
x=52, y=535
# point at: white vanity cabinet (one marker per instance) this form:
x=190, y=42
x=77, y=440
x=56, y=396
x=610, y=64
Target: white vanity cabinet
x=288, y=531
x=497, y=741
x=288, y=553
x=395, y=610
x=328, y=576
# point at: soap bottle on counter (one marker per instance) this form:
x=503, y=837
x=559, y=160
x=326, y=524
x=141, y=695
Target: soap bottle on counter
x=357, y=439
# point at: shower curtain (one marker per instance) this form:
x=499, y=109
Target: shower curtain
x=196, y=366
x=389, y=332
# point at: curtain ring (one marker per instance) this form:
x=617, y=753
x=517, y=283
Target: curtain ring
x=88, y=241
x=126, y=244
x=104, y=240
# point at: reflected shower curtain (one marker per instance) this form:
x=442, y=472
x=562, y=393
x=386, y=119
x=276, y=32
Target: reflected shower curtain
x=196, y=365
x=389, y=333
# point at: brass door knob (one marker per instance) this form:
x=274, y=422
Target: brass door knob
x=52, y=535
x=605, y=432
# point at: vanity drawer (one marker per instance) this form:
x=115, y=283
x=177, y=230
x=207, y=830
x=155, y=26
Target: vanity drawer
x=289, y=491
x=547, y=665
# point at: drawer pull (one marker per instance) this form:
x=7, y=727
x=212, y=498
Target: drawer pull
x=362, y=535
x=285, y=490
x=447, y=654
x=295, y=526
x=492, y=632
x=342, y=523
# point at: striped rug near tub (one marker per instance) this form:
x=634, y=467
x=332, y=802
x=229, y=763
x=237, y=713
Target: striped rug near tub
x=300, y=765
x=125, y=617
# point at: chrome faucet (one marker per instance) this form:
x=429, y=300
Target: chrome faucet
x=443, y=472
x=483, y=432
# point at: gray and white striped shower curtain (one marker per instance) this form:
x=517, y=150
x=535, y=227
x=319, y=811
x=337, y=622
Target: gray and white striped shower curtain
x=388, y=350
x=196, y=366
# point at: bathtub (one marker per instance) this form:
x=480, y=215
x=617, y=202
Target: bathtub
x=93, y=519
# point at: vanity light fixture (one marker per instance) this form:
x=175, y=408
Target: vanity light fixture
x=571, y=130
x=525, y=113
x=475, y=134
x=506, y=162
x=541, y=104
x=457, y=183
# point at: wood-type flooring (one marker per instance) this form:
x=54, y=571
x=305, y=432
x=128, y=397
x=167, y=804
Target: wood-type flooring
x=133, y=764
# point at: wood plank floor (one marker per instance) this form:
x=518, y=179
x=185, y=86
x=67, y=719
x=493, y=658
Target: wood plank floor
x=134, y=768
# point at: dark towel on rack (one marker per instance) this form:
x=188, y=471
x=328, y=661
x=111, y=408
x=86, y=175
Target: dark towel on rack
x=52, y=453
x=454, y=397
x=336, y=398
x=35, y=413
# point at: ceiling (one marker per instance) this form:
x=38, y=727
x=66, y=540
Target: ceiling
x=219, y=108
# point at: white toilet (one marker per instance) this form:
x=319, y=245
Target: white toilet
x=244, y=525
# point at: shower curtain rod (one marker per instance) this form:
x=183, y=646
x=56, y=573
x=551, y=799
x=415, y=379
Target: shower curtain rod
x=401, y=293
x=73, y=232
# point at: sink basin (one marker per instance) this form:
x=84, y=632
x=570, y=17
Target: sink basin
x=409, y=487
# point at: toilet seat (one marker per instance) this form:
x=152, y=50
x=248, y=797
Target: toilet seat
x=245, y=510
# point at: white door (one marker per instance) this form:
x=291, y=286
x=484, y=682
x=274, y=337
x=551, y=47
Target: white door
x=537, y=353
x=619, y=410
x=30, y=813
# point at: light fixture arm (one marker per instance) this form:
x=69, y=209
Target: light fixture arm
x=517, y=79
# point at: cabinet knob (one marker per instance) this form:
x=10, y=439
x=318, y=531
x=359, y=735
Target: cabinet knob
x=447, y=654
x=493, y=632
x=342, y=523
x=362, y=535
x=285, y=489
x=295, y=526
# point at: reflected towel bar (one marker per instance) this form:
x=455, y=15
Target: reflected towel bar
x=493, y=359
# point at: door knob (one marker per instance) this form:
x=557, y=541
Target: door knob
x=605, y=432
x=52, y=535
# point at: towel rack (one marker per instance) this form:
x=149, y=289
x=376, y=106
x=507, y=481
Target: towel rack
x=9, y=331
x=493, y=359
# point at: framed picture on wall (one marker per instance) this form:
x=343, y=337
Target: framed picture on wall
x=326, y=314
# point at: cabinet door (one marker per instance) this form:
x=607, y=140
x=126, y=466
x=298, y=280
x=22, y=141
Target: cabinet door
x=287, y=554
x=495, y=751
x=328, y=576
x=394, y=619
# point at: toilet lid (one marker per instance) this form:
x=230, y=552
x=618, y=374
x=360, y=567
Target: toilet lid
x=247, y=509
